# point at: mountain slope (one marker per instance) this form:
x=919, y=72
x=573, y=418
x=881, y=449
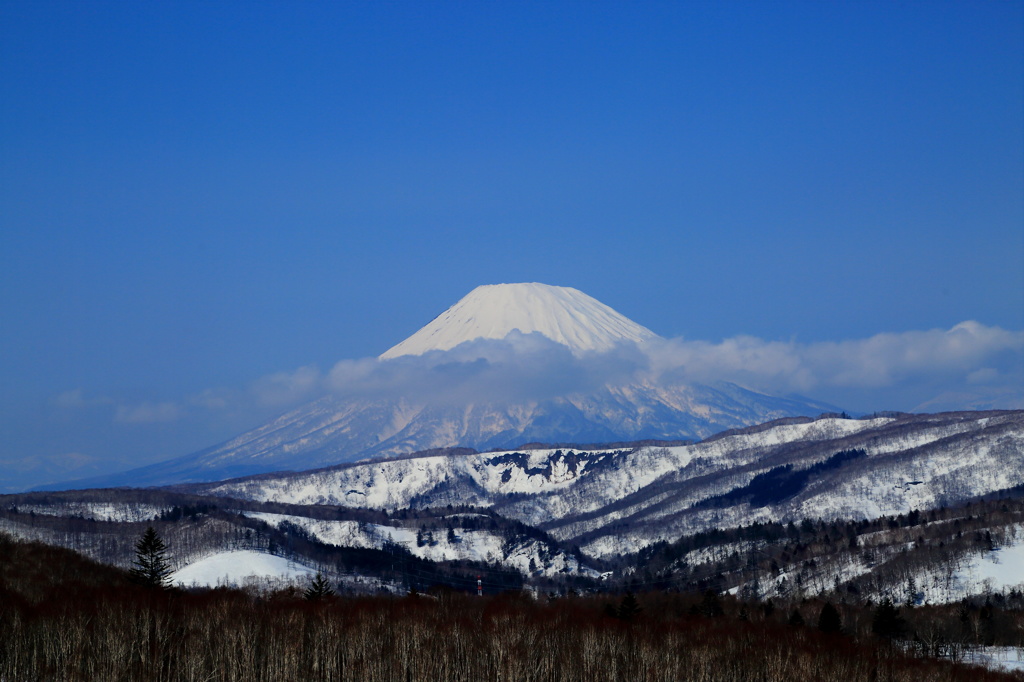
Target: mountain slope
x=614, y=501
x=544, y=364
x=332, y=430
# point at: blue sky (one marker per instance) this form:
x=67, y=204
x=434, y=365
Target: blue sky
x=198, y=199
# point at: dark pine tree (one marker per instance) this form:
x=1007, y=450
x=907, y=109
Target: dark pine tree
x=829, y=619
x=710, y=605
x=320, y=589
x=887, y=621
x=150, y=567
x=629, y=607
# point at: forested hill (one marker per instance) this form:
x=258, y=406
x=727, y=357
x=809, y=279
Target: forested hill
x=90, y=623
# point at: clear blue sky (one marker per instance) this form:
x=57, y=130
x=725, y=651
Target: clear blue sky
x=197, y=195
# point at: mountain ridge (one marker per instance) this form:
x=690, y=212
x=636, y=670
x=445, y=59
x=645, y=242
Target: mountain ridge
x=794, y=507
x=614, y=501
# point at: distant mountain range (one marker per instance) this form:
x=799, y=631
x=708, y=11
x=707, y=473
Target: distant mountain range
x=913, y=507
x=620, y=500
x=379, y=423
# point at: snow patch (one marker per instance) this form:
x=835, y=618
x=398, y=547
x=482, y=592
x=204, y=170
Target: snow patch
x=239, y=568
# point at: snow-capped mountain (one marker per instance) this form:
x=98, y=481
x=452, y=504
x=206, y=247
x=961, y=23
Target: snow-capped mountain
x=565, y=315
x=506, y=365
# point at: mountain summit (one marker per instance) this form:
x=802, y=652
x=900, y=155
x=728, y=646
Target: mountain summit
x=493, y=311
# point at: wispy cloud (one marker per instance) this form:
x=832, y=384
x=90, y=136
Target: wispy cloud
x=970, y=351
x=983, y=365
x=282, y=388
x=147, y=413
x=76, y=399
x=122, y=412
x=914, y=363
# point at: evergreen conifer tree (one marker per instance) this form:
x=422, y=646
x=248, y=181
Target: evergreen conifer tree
x=150, y=567
x=829, y=620
x=887, y=621
x=320, y=589
x=710, y=605
x=629, y=607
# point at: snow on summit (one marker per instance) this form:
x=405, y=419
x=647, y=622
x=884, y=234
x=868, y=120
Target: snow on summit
x=493, y=311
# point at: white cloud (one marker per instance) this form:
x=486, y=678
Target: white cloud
x=879, y=372
x=885, y=359
x=282, y=388
x=885, y=371
x=213, y=399
x=963, y=353
x=147, y=413
x=68, y=461
x=76, y=400
x=70, y=399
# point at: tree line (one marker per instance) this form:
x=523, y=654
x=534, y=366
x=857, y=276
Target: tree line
x=65, y=617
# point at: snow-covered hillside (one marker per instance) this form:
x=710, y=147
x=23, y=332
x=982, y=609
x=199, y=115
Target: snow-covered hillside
x=552, y=474
x=910, y=463
x=102, y=511
x=910, y=561
x=985, y=572
x=565, y=315
x=529, y=556
x=916, y=507
x=616, y=501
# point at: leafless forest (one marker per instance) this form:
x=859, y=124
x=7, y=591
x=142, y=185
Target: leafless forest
x=63, y=616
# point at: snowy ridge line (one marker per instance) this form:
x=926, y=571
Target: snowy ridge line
x=377, y=485
x=617, y=501
x=912, y=472
x=98, y=511
x=565, y=493
x=945, y=471
x=393, y=483
x=503, y=472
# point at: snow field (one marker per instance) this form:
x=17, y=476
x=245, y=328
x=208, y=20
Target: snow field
x=1004, y=658
x=239, y=568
